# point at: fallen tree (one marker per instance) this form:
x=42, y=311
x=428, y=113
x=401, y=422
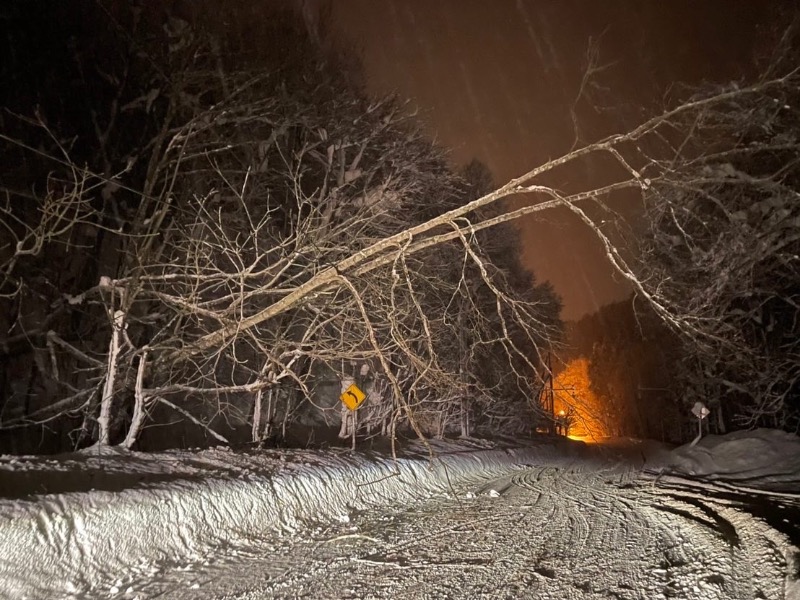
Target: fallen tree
x=249, y=189
x=258, y=244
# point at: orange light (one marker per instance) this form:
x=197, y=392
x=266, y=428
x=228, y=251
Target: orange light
x=574, y=398
x=586, y=439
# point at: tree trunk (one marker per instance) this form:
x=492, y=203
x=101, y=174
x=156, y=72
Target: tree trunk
x=138, y=407
x=270, y=416
x=720, y=420
x=256, y=430
x=104, y=420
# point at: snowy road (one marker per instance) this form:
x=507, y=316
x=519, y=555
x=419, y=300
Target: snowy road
x=580, y=529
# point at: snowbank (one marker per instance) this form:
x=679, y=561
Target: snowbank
x=76, y=543
x=765, y=458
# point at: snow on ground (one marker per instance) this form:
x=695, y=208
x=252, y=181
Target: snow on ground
x=70, y=525
x=550, y=519
x=565, y=530
x=763, y=458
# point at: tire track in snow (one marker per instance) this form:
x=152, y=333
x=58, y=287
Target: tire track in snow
x=755, y=544
x=576, y=529
x=550, y=532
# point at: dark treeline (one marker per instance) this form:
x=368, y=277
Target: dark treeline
x=647, y=378
x=170, y=170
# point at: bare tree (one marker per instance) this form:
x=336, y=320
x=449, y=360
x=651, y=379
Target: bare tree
x=246, y=195
x=265, y=241
x=721, y=250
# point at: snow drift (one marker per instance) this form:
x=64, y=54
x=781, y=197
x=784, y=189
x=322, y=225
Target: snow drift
x=70, y=545
x=764, y=458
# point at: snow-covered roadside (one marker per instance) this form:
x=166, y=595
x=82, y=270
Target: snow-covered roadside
x=73, y=544
x=93, y=525
x=767, y=459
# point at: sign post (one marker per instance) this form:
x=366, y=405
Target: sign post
x=700, y=411
x=352, y=398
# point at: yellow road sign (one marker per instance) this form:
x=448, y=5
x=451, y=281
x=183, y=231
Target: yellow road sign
x=353, y=397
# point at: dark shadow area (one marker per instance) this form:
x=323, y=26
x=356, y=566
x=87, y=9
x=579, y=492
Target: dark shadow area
x=30, y=485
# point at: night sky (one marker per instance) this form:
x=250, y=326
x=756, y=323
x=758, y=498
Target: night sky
x=495, y=80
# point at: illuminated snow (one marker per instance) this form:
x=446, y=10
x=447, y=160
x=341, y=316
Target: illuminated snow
x=168, y=519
